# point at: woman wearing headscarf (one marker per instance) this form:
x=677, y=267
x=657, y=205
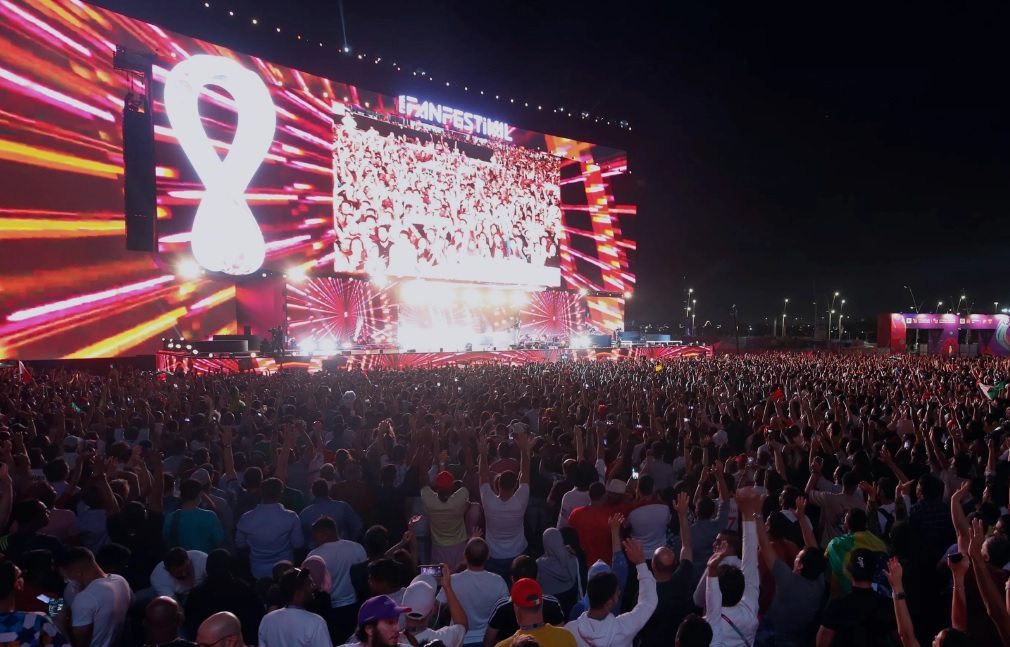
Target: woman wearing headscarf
x=558, y=571
x=320, y=602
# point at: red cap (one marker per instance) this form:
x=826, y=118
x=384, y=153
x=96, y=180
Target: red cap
x=444, y=481
x=527, y=594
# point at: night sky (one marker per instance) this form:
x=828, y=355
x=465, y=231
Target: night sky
x=779, y=149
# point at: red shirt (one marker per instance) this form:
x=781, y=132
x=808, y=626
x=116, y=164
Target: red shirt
x=784, y=550
x=592, y=523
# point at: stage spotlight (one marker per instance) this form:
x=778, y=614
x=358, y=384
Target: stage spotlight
x=627, y=295
x=307, y=346
x=210, y=355
x=379, y=280
x=583, y=292
x=188, y=270
x=519, y=299
x=581, y=341
x=189, y=346
x=296, y=274
x=252, y=355
x=196, y=352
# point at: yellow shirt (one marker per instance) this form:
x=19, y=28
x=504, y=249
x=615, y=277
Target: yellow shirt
x=547, y=636
x=445, y=518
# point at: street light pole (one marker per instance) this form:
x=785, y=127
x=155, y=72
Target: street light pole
x=832, y=309
x=687, y=307
x=694, y=313
x=840, y=307
x=784, y=318
x=736, y=329
x=915, y=306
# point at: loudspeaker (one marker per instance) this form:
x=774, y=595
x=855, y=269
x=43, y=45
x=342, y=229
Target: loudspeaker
x=139, y=191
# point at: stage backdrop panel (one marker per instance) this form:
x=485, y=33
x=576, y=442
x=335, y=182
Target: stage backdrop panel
x=259, y=151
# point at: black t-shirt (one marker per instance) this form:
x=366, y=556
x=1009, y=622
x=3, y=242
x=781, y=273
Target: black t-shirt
x=674, y=603
x=146, y=544
x=503, y=616
x=234, y=596
x=860, y=618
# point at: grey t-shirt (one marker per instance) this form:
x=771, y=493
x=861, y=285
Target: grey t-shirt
x=796, y=604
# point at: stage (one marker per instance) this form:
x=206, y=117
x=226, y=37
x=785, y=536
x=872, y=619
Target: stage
x=370, y=360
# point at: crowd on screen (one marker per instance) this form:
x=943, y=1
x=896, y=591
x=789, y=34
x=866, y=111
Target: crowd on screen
x=775, y=500
x=407, y=203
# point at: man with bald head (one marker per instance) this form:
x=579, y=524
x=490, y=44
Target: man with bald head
x=162, y=619
x=674, y=584
x=220, y=630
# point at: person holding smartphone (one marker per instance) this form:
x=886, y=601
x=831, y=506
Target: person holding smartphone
x=23, y=627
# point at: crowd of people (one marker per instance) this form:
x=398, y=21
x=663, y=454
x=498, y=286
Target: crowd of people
x=731, y=501
x=407, y=202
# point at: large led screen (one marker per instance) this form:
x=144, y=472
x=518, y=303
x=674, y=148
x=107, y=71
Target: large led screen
x=260, y=167
x=443, y=205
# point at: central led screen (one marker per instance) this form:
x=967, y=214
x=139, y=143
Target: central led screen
x=435, y=204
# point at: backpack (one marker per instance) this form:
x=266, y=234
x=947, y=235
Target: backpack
x=889, y=518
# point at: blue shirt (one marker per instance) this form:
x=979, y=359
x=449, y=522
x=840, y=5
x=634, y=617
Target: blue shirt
x=349, y=525
x=193, y=529
x=271, y=533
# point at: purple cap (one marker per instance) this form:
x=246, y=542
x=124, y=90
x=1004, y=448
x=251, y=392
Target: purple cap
x=381, y=607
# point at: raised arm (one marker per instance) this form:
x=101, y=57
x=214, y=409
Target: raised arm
x=990, y=595
x=767, y=552
x=749, y=503
x=809, y=539
x=227, y=438
x=958, y=518
x=282, y=461
x=681, y=505
x=523, y=442
x=615, y=522
x=905, y=629
x=888, y=460
x=456, y=611
x=959, y=603
x=720, y=479
x=482, y=465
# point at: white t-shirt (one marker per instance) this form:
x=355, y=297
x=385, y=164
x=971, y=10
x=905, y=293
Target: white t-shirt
x=890, y=509
x=477, y=592
x=571, y=500
x=103, y=604
x=649, y=524
x=293, y=627
x=340, y=556
x=452, y=635
x=503, y=521
x=164, y=584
